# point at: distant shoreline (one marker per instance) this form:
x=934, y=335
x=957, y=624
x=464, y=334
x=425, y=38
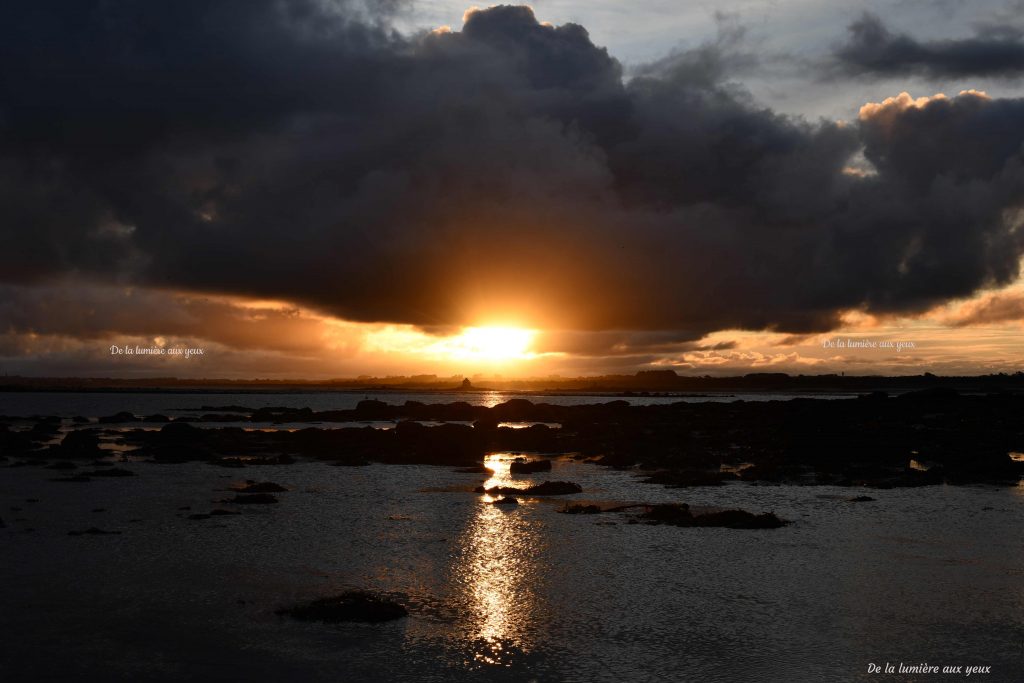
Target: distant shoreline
x=658, y=382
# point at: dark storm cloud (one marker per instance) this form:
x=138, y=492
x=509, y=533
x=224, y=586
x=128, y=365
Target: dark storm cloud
x=873, y=49
x=100, y=313
x=302, y=151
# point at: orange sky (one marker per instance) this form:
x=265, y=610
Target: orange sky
x=247, y=338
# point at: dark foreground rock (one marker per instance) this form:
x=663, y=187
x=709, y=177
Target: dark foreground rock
x=93, y=531
x=252, y=499
x=917, y=439
x=548, y=488
x=213, y=513
x=79, y=444
x=677, y=479
x=680, y=515
x=579, y=509
x=110, y=472
x=259, y=487
x=524, y=466
x=359, y=606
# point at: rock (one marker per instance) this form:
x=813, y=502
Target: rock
x=93, y=531
x=272, y=460
x=351, y=462
x=81, y=443
x=445, y=444
x=506, y=501
x=675, y=479
x=118, y=418
x=514, y=410
x=45, y=429
x=234, y=463
x=669, y=514
x=554, y=488
x=357, y=606
x=14, y=443
x=370, y=409
x=579, y=509
x=213, y=513
x=111, y=472
x=253, y=499
x=739, y=519
x=62, y=465
x=524, y=466
x=263, y=487
x=680, y=515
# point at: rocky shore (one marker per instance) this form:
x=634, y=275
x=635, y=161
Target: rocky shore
x=916, y=439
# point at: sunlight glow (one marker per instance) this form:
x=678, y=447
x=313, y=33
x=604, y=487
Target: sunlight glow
x=491, y=343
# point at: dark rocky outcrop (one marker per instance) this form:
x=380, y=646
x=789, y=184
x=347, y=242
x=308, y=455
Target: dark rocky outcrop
x=118, y=418
x=864, y=442
x=252, y=499
x=548, y=488
x=579, y=509
x=261, y=487
x=79, y=444
x=219, y=512
x=680, y=515
x=524, y=466
x=359, y=606
x=14, y=443
x=62, y=465
x=110, y=472
x=675, y=479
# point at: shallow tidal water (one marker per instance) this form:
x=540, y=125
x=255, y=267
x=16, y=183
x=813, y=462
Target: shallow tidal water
x=177, y=404
x=931, y=574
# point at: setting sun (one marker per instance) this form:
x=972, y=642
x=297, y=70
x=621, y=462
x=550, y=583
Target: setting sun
x=492, y=343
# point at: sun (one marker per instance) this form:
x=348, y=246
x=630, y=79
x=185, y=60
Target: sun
x=492, y=343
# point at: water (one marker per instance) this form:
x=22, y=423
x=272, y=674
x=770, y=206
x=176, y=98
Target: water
x=95, y=404
x=931, y=574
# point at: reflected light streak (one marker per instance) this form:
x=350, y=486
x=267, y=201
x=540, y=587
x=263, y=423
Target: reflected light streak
x=499, y=569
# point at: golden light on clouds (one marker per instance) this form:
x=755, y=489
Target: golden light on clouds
x=492, y=343
x=487, y=344
x=273, y=338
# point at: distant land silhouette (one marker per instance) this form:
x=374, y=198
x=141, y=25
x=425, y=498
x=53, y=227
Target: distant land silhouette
x=661, y=381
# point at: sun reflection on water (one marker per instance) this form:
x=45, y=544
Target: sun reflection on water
x=498, y=570
x=489, y=399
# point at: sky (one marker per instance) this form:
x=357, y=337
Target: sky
x=334, y=188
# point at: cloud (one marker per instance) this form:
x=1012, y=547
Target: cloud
x=303, y=151
x=872, y=49
x=103, y=315
x=997, y=308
